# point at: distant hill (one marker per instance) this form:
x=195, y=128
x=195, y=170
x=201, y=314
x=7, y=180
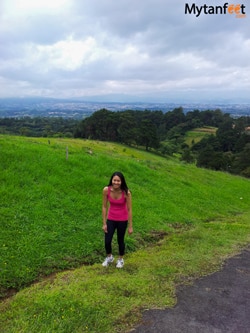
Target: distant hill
x=79, y=109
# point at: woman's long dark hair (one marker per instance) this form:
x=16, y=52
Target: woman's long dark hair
x=124, y=186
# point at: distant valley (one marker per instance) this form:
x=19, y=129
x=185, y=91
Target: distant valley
x=77, y=109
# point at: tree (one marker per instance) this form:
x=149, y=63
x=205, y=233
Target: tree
x=210, y=159
x=227, y=135
x=127, y=131
x=174, y=118
x=241, y=163
x=102, y=125
x=187, y=155
x=147, y=134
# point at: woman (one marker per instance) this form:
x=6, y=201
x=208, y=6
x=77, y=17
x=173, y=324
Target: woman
x=116, y=215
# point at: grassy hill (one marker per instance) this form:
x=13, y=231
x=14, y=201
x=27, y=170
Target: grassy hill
x=186, y=222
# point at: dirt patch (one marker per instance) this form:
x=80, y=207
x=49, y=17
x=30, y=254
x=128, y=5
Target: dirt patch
x=218, y=303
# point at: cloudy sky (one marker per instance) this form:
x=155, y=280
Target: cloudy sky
x=124, y=49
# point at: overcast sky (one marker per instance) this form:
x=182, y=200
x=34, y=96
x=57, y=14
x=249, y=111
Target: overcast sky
x=149, y=49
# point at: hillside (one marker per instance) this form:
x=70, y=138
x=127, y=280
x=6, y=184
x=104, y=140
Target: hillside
x=51, y=195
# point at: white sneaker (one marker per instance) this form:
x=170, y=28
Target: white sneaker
x=108, y=261
x=120, y=263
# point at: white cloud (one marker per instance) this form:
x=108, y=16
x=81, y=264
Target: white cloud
x=70, y=47
x=14, y=8
x=68, y=54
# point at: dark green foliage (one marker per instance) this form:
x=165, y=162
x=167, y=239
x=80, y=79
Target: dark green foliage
x=39, y=127
x=229, y=150
x=241, y=164
x=129, y=127
x=187, y=155
x=174, y=118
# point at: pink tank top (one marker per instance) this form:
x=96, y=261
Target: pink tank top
x=118, y=210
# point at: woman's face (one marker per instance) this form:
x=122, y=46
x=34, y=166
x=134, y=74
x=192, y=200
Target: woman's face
x=116, y=182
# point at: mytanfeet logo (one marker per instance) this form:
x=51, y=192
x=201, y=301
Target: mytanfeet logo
x=239, y=10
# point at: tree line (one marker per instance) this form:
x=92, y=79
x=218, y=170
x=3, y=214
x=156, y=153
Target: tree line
x=228, y=149
x=145, y=128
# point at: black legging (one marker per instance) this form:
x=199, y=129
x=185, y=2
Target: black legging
x=121, y=230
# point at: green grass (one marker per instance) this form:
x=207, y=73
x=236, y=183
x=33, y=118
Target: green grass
x=51, y=221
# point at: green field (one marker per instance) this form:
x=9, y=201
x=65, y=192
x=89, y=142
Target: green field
x=186, y=222
x=197, y=134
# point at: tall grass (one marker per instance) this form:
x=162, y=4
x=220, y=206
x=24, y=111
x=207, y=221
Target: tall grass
x=51, y=221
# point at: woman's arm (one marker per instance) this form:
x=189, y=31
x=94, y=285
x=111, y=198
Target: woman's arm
x=104, y=208
x=129, y=206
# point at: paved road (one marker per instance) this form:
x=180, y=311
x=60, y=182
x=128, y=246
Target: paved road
x=218, y=303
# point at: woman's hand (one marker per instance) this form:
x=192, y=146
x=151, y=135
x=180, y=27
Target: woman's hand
x=104, y=228
x=130, y=230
